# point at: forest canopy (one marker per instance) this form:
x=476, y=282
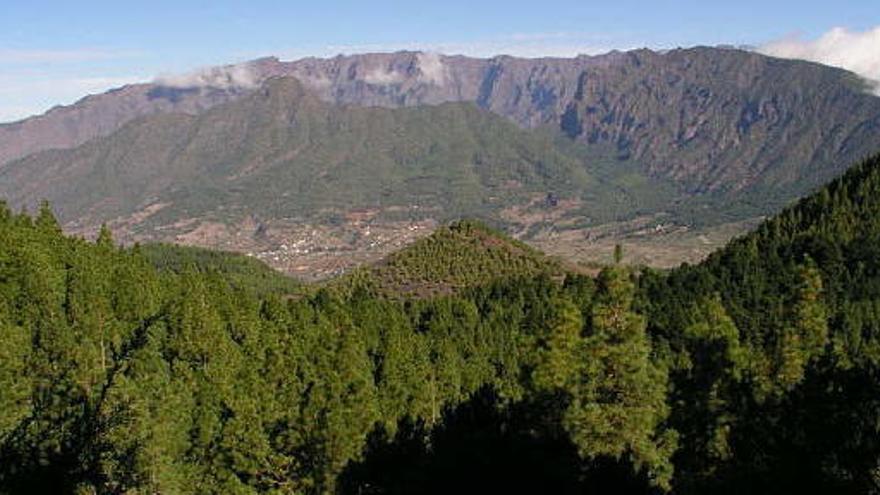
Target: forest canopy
x=755, y=371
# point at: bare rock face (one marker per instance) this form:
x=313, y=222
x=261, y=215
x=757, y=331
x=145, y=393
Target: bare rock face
x=726, y=120
x=711, y=119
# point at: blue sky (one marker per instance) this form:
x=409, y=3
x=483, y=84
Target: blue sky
x=55, y=52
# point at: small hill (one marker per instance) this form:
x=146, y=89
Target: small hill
x=463, y=254
x=242, y=272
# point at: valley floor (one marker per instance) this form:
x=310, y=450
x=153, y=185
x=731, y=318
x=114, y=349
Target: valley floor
x=314, y=252
x=656, y=246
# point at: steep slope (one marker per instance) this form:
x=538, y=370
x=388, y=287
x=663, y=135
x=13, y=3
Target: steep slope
x=790, y=313
x=100, y=115
x=280, y=158
x=713, y=119
x=728, y=120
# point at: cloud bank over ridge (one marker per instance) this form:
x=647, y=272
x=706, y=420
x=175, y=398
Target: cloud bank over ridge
x=222, y=77
x=857, y=51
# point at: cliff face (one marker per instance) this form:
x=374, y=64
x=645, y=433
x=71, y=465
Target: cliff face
x=727, y=120
x=718, y=120
x=712, y=119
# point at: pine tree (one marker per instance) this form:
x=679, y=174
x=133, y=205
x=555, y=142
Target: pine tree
x=15, y=379
x=558, y=343
x=715, y=363
x=805, y=336
x=619, y=402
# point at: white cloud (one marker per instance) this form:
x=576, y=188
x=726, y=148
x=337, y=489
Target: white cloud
x=857, y=51
x=382, y=77
x=225, y=77
x=432, y=68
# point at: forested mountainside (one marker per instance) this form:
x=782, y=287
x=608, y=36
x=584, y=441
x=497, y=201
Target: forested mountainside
x=672, y=152
x=271, y=168
x=713, y=119
x=281, y=152
x=242, y=272
x=790, y=313
x=756, y=371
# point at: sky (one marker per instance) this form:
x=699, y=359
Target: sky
x=54, y=53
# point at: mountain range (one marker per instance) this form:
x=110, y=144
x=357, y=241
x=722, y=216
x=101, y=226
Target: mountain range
x=291, y=160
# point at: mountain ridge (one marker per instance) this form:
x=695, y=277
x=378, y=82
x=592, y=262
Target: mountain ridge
x=700, y=116
x=687, y=143
x=281, y=160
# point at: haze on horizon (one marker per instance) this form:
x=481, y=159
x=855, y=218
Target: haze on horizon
x=88, y=48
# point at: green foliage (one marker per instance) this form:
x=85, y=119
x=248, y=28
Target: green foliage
x=203, y=376
x=619, y=402
x=463, y=254
x=242, y=272
x=558, y=342
x=780, y=343
x=286, y=154
x=804, y=338
x=758, y=370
